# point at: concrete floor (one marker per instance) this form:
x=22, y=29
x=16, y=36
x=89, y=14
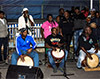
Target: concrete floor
x=71, y=69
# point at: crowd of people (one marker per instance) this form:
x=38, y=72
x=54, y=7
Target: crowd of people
x=83, y=25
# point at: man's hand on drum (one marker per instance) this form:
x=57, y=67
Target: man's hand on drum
x=60, y=44
x=29, y=50
x=89, y=55
x=22, y=58
x=54, y=48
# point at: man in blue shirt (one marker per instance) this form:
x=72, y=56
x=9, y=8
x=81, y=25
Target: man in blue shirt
x=23, y=48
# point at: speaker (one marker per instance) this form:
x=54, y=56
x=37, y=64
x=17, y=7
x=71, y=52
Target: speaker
x=24, y=72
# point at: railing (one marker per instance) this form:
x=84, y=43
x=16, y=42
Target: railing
x=13, y=29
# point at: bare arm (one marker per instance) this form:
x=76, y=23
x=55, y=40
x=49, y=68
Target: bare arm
x=42, y=30
x=88, y=54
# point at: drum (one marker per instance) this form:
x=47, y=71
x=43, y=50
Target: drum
x=28, y=61
x=58, y=54
x=94, y=62
x=91, y=63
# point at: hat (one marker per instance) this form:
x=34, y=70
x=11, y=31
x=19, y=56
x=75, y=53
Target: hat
x=25, y=9
x=23, y=29
x=93, y=9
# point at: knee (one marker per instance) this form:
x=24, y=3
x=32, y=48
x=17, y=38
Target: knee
x=49, y=53
x=14, y=55
x=36, y=54
x=66, y=53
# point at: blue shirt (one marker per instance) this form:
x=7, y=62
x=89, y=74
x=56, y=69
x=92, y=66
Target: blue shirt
x=22, y=44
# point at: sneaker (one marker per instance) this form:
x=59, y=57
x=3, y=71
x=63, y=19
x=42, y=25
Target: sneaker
x=54, y=70
x=79, y=67
x=61, y=69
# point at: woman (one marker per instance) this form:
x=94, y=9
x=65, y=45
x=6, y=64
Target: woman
x=47, y=26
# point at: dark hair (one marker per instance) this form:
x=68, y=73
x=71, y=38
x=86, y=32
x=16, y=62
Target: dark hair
x=2, y=12
x=51, y=16
x=85, y=29
x=77, y=8
x=54, y=28
x=61, y=9
x=97, y=11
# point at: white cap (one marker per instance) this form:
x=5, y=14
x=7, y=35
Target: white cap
x=93, y=9
x=25, y=9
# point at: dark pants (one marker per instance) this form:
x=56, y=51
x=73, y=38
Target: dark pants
x=67, y=39
x=4, y=42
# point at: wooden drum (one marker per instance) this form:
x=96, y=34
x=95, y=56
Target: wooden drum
x=58, y=54
x=28, y=61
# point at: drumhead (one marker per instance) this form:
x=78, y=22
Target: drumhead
x=28, y=61
x=58, y=54
x=94, y=62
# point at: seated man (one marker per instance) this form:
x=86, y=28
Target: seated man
x=23, y=48
x=88, y=45
x=53, y=42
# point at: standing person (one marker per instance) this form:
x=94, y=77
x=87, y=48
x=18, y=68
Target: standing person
x=54, y=42
x=26, y=20
x=79, y=23
x=88, y=45
x=48, y=25
x=66, y=29
x=23, y=48
x=61, y=15
x=3, y=35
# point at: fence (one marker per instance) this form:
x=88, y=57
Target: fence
x=13, y=29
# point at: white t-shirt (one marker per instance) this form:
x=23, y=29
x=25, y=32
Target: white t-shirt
x=22, y=23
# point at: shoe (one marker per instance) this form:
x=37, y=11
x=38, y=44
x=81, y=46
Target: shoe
x=54, y=70
x=79, y=67
x=61, y=69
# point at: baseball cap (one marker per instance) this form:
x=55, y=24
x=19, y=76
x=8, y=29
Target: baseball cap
x=93, y=9
x=25, y=9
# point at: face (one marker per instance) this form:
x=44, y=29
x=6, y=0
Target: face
x=97, y=15
x=58, y=19
x=88, y=31
x=1, y=15
x=62, y=11
x=76, y=11
x=50, y=18
x=24, y=34
x=92, y=12
x=54, y=32
x=25, y=13
x=66, y=14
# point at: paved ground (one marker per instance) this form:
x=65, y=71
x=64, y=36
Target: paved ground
x=71, y=69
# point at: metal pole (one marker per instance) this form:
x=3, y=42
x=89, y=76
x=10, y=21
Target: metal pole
x=42, y=11
x=99, y=5
x=91, y=4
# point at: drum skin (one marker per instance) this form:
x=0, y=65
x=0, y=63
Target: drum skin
x=58, y=54
x=91, y=63
x=94, y=62
x=28, y=61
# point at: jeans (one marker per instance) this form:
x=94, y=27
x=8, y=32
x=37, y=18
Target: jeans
x=76, y=36
x=4, y=42
x=52, y=62
x=67, y=39
x=33, y=55
x=82, y=55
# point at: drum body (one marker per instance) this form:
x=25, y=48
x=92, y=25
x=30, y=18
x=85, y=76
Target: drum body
x=94, y=62
x=91, y=63
x=28, y=61
x=58, y=54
